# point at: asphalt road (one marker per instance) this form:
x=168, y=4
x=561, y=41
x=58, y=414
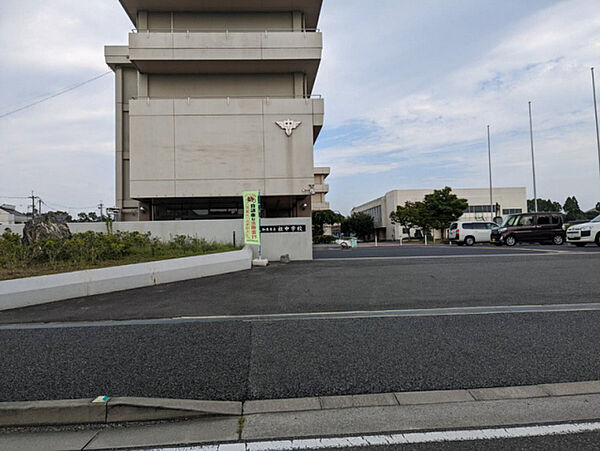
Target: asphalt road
x=465, y=277
x=238, y=360
x=411, y=250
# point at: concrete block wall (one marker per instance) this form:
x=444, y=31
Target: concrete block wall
x=298, y=245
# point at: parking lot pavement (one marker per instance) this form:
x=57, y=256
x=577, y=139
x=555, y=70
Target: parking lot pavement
x=488, y=277
x=441, y=250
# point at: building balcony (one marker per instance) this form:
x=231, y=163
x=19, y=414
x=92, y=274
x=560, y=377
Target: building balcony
x=322, y=170
x=203, y=147
x=319, y=206
x=227, y=51
x=323, y=188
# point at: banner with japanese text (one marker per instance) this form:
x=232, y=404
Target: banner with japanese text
x=251, y=217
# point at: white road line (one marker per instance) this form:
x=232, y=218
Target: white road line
x=425, y=257
x=355, y=314
x=399, y=439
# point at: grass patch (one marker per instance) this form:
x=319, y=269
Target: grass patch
x=91, y=250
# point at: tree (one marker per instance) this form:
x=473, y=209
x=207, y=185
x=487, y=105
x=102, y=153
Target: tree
x=88, y=217
x=571, y=208
x=405, y=215
x=322, y=217
x=444, y=207
x=61, y=216
x=413, y=215
x=544, y=205
x=361, y=224
x=436, y=211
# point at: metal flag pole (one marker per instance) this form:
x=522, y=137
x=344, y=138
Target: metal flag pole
x=259, y=234
x=596, y=117
x=535, y=202
x=490, y=169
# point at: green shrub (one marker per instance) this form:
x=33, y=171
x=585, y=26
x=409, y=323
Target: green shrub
x=92, y=248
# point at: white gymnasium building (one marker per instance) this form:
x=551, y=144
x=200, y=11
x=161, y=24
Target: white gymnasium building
x=506, y=200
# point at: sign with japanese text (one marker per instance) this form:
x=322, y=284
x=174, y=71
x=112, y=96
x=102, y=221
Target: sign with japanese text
x=251, y=217
x=283, y=228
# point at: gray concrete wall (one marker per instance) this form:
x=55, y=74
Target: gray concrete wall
x=223, y=85
x=215, y=21
x=221, y=147
x=298, y=245
x=214, y=230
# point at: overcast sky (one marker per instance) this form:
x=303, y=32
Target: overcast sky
x=409, y=88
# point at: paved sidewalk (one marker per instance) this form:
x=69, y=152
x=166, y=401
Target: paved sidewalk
x=339, y=416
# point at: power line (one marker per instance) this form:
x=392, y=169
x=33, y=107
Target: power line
x=53, y=205
x=64, y=91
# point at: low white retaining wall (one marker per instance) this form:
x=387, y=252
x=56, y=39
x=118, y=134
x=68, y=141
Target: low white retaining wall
x=56, y=287
x=219, y=230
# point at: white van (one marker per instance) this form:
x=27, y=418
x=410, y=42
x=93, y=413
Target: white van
x=470, y=233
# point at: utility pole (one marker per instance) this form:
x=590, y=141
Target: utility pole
x=596, y=116
x=40, y=206
x=535, y=203
x=32, y=205
x=490, y=167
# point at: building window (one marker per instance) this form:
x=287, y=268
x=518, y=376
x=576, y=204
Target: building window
x=511, y=211
x=479, y=209
x=375, y=213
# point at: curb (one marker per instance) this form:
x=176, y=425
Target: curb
x=420, y=397
x=103, y=410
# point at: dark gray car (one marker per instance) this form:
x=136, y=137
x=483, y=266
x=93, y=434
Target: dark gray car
x=530, y=227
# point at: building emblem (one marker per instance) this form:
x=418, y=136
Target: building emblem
x=288, y=125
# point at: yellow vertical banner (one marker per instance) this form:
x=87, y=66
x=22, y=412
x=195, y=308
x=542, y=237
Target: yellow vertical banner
x=251, y=217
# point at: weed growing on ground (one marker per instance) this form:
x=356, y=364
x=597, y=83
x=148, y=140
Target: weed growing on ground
x=92, y=249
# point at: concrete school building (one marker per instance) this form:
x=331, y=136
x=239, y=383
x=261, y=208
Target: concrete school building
x=508, y=200
x=214, y=98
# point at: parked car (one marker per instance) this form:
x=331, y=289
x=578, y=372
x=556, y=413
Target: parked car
x=530, y=227
x=345, y=243
x=582, y=234
x=470, y=233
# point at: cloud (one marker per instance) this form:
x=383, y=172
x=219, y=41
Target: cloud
x=408, y=95
x=544, y=58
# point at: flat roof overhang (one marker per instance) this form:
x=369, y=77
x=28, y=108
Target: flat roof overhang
x=310, y=8
x=116, y=55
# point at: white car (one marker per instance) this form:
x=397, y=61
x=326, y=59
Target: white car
x=345, y=244
x=470, y=232
x=582, y=234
